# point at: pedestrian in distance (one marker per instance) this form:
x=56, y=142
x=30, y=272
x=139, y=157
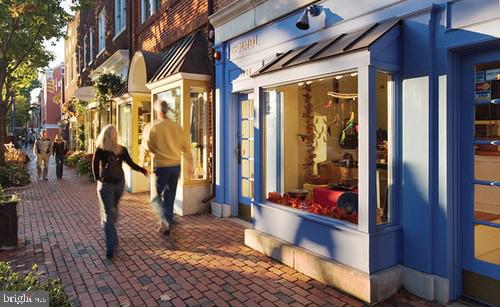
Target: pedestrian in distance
x=108, y=172
x=42, y=149
x=167, y=142
x=59, y=150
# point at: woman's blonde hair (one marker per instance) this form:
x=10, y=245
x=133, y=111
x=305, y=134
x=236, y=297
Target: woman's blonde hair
x=58, y=137
x=108, y=140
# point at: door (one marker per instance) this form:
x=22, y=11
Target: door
x=245, y=154
x=480, y=176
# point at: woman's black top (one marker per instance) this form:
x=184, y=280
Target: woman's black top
x=101, y=159
x=59, y=149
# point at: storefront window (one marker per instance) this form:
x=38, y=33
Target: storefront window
x=311, y=146
x=173, y=99
x=144, y=117
x=384, y=86
x=198, y=131
x=487, y=163
x=124, y=126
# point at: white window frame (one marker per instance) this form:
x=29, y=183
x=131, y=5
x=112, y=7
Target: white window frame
x=101, y=22
x=120, y=17
x=91, y=44
x=154, y=6
x=84, y=52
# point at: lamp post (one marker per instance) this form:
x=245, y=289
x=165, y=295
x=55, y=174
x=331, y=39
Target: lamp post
x=14, y=138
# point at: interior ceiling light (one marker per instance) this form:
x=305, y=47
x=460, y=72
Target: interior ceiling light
x=338, y=77
x=300, y=83
x=303, y=22
x=345, y=96
x=354, y=74
x=309, y=82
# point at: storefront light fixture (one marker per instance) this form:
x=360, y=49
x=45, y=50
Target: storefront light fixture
x=309, y=82
x=338, y=77
x=300, y=83
x=303, y=22
x=354, y=74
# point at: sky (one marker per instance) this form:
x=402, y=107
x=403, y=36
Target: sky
x=58, y=49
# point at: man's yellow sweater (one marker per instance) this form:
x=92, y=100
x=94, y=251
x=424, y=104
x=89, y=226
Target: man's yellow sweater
x=167, y=143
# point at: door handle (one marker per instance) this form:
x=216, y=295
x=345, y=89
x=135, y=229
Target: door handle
x=238, y=152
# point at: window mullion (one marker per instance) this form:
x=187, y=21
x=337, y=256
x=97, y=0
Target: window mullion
x=367, y=148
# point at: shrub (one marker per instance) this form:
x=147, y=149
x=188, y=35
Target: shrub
x=31, y=281
x=73, y=158
x=14, y=175
x=15, y=155
x=84, y=165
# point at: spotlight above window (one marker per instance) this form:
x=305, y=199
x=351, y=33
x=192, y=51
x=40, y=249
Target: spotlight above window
x=303, y=22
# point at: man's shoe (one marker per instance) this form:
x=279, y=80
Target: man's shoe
x=46, y=179
x=109, y=255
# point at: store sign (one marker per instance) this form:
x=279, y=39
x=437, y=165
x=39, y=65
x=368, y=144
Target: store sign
x=243, y=45
x=479, y=76
x=483, y=87
x=493, y=74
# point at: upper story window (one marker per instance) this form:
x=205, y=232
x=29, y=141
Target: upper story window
x=120, y=16
x=101, y=28
x=148, y=8
x=91, y=44
x=84, y=51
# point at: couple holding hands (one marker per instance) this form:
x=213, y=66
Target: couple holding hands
x=165, y=141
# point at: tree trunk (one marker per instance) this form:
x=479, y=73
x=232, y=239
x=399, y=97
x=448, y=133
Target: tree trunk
x=3, y=134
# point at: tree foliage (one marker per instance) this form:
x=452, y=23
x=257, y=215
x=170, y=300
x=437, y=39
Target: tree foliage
x=25, y=26
x=106, y=86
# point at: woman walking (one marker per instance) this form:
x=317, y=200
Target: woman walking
x=108, y=172
x=59, y=151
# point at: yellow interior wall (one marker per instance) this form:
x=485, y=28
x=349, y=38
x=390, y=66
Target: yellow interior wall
x=292, y=122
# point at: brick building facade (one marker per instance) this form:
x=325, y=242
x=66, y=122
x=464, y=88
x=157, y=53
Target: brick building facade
x=50, y=103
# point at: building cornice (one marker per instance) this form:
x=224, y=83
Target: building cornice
x=233, y=10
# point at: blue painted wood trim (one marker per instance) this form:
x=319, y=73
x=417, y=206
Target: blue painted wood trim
x=258, y=145
x=220, y=89
x=334, y=239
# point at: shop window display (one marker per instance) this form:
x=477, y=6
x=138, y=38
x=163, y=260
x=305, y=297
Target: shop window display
x=144, y=117
x=173, y=99
x=198, y=131
x=124, y=126
x=311, y=143
x=311, y=146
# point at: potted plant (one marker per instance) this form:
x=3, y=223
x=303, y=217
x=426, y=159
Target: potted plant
x=8, y=220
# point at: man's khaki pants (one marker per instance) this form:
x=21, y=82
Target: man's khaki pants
x=42, y=159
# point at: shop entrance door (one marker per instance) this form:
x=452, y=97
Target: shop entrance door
x=245, y=154
x=480, y=176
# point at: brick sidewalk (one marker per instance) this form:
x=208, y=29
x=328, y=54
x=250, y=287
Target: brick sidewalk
x=203, y=263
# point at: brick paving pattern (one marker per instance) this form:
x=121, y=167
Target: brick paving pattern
x=203, y=262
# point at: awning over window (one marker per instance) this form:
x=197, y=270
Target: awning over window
x=188, y=55
x=339, y=45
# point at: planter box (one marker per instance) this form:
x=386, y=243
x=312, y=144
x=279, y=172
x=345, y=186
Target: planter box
x=8, y=225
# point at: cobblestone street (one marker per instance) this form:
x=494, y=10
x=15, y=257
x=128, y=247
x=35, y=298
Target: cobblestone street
x=202, y=263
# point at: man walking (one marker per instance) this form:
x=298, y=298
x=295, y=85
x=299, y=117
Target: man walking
x=42, y=150
x=167, y=143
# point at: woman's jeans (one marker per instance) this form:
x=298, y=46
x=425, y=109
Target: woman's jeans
x=109, y=195
x=166, y=186
x=59, y=165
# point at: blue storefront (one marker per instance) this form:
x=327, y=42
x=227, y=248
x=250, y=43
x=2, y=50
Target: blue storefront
x=362, y=140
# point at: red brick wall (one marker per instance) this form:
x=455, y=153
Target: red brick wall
x=174, y=20
x=52, y=91
x=88, y=18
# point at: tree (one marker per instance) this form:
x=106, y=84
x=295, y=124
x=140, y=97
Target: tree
x=24, y=27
